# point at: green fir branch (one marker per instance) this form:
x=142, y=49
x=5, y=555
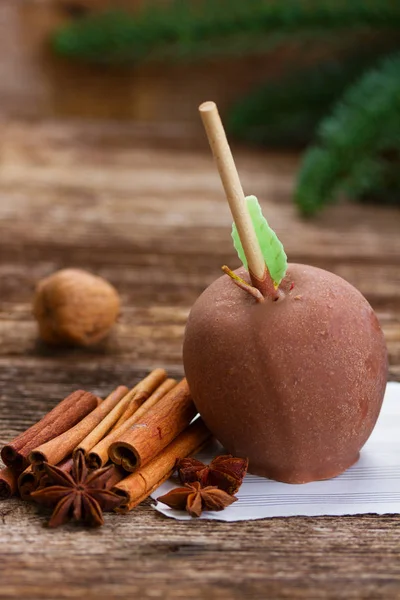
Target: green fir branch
x=184, y=30
x=358, y=147
x=286, y=112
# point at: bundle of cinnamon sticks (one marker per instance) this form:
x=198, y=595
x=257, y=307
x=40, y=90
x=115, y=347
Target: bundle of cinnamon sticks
x=144, y=431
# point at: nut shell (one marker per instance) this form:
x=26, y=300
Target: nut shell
x=294, y=385
x=75, y=307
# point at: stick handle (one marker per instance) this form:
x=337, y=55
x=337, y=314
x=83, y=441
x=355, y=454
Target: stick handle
x=233, y=188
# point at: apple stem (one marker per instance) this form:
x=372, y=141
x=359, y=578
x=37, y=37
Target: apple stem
x=243, y=284
x=259, y=274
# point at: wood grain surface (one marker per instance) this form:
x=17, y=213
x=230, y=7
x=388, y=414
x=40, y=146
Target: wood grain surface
x=145, y=209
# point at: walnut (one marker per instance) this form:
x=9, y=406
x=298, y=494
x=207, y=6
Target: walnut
x=75, y=307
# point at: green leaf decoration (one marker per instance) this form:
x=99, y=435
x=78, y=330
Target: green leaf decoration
x=271, y=247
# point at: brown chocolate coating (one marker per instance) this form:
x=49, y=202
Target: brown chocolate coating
x=295, y=385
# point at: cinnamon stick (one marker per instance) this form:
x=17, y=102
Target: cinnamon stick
x=63, y=416
x=27, y=483
x=8, y=483
x=155, y=430
x=101, y=429
x=144, y=396
x=33, y=478
x=117, y=475
x=98, y=456
x=136, y=396
x=143, y=391
x=66, y=464
x=60, y=447
x=138, y=486
x=159, y=393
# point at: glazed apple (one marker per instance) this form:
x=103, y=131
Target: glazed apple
x=296, y=384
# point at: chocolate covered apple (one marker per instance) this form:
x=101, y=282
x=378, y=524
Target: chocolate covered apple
x=287, y=364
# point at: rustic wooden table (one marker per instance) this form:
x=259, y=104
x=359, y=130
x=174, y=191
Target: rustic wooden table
x=150, y=216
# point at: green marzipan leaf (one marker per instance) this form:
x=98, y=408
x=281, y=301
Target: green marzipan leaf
x=271, y=247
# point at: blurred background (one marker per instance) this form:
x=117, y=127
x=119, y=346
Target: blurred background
x=321, y=74
x=104, y=164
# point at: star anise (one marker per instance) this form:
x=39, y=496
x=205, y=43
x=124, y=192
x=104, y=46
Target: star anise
x=80, y=495
x=194, y=498
x=226, y=472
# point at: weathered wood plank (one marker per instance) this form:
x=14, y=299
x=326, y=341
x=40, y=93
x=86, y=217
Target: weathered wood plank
x=148, y=214
x=281, y=558
x=145, y=555
x=148, y=335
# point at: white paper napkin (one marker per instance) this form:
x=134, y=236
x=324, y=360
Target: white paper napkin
x=372, y=485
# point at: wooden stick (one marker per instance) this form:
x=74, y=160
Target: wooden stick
x=60, y=447
x=138, y=486
x=259, y=274
x=155, y=430
x=136, y=396
x=163, y=389
x=98, y=456
x=8, y=483
x=102, y=428
x=64, y=416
